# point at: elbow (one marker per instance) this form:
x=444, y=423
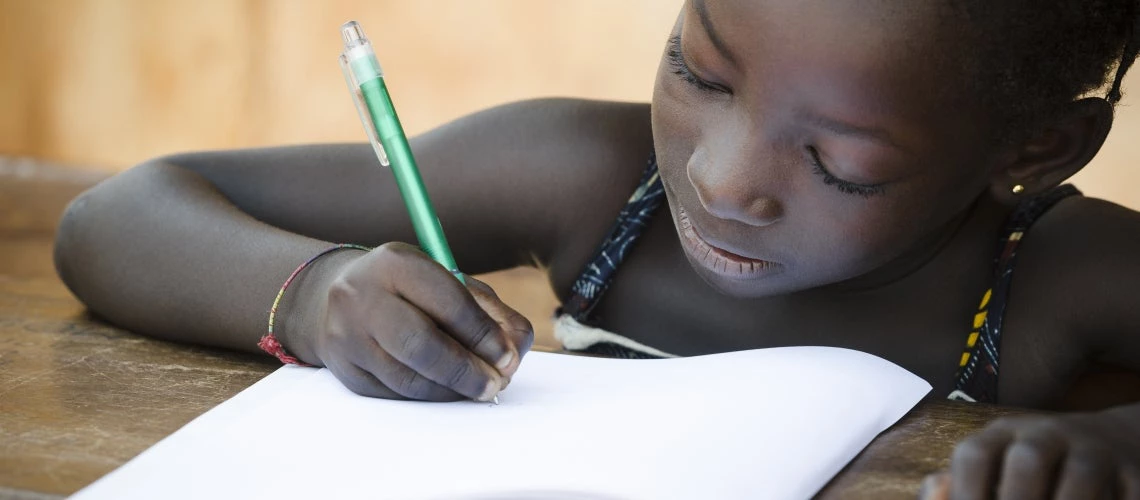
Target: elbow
x=69, y=242
x=91, y=223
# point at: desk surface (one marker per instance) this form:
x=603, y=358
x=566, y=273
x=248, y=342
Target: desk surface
x=78, y=397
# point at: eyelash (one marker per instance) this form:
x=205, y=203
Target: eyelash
x=681, y=69
x=840, y=184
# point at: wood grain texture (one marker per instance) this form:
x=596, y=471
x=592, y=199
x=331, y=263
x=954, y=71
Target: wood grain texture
x=79, y=398
x=894, y=465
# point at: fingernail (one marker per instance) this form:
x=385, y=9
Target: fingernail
x=491, y=390
x=505, y=361
x=506, y=382
x=932, y=487
x=925, y=488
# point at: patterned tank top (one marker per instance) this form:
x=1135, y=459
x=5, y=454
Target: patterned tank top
x=979, y=363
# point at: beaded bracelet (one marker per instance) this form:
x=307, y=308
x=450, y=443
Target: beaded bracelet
x=269, y=342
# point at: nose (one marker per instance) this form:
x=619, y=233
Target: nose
x=733, y=193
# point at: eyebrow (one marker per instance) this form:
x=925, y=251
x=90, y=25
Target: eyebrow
x=839, y=127
x=717, y=41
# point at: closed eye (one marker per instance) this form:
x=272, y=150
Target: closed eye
x=864, y=190
x=680, y=68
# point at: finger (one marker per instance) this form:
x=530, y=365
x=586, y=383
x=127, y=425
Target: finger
x=435, y=291
x=976, y=462
x=1030, y=466
x=1128, y=482
x=516, y=326
x=391, y=324
x=418, y=344
x=359, y=381
x=1085, y=473
x=398, y=377
x=935, y=487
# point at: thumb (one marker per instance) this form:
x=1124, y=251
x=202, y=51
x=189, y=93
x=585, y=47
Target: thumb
x=513, y=323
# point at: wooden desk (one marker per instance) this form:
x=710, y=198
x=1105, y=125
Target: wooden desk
x=78, y=398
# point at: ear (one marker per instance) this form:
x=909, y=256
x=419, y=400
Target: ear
x=1058, y=149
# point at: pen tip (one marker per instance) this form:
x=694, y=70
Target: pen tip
x=495, y=399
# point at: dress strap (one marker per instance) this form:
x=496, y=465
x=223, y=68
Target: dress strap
x=977, y=377
x=599, y=272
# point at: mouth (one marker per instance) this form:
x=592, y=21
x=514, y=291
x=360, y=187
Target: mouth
x=716, y=259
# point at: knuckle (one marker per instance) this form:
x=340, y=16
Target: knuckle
x=1130, y=474
x=1047, y=426
x=1006, y=422
x=421, y=353
x=414, y=345
x=520, y=323
x=458, y=309
x=340, y=291
x=970, y=451
x=1027, y=455
x=514, y=319
x=485, y=331
x=389, y=255
x=1085, y=461
x=458, y=375
x=523, y=336
x=335, y=338
x=480, y=287
x=410, y=385
x=391, y=248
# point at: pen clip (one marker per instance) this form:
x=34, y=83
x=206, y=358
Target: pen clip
x=362, y=111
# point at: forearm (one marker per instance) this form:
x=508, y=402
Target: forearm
x=159, y=251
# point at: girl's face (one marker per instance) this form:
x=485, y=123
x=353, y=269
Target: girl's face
x=808, y=143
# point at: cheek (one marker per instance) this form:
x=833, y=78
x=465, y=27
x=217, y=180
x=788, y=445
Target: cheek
x=832, y=237
x=675, y=125
x=865, y=235
x=850, y=238
x=836, y=241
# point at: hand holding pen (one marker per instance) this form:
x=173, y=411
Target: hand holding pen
x=396, y=325
x=397, y=322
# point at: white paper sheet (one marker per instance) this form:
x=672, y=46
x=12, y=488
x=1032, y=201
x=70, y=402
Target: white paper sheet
x=772, y=423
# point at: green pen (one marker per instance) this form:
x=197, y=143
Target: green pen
x=374, y=105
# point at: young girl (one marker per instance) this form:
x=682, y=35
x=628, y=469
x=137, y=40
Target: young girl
x=882, y=176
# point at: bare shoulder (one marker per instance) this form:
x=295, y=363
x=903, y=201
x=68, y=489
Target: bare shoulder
x=1080, y=265
x=574, y=164
x=567, y=158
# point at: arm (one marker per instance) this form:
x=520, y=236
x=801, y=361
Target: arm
x=193, y=247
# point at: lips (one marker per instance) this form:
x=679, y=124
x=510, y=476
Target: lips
x=716, y=259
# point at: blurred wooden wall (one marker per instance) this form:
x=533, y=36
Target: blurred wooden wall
x=104, y=84
x=107, y=83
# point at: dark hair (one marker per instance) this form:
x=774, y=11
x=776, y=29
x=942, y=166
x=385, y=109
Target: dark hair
x=1038, y=55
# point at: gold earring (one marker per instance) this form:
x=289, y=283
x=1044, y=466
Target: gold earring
x=1017, y=189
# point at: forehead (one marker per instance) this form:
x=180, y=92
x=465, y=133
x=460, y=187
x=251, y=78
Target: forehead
x=889, y=27
x=863, y=59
